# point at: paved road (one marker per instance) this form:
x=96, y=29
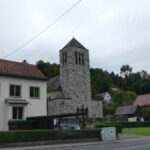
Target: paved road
x=136, y=143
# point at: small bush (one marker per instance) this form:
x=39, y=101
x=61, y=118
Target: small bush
x=44, y=135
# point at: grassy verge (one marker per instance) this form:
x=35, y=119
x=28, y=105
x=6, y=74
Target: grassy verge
x=139, y=131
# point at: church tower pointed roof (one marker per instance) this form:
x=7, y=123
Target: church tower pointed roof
x=74, y=43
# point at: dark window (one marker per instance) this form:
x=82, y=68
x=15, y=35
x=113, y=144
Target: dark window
x=64, y=59
x=76, y=57
x=34, y=92
x=79, y=58
x=17, y=113
x=15, y=90
x=82, y=59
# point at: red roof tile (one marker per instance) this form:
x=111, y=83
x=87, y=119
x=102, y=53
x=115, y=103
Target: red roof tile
x=143, y=100
x=22, y=70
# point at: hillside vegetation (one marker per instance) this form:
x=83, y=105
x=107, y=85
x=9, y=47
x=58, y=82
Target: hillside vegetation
x=129, y=84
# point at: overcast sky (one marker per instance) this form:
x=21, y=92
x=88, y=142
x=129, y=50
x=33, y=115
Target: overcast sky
x=116, y=32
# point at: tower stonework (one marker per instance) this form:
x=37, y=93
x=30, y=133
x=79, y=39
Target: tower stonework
x=75, y=82
x=75, y=72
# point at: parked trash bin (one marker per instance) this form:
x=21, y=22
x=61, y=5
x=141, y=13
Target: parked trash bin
x=108, y=134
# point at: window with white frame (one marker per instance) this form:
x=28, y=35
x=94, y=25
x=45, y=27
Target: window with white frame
x=15, y=90
x=17, y=113
x=34, y=92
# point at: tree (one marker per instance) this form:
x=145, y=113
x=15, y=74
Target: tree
x=123, y=98
x=125, y=70
x=100, y=81
x=144, y=74
x=49, y=70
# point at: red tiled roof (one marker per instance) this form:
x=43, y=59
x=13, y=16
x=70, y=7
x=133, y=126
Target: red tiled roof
x=143, y=100
x=22, y=70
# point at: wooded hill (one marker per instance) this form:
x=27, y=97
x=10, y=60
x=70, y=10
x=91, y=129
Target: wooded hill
x=129, y=84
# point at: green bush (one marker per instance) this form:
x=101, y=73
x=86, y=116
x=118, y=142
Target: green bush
x=134, y=124
x=120, y=125
x=44, y=135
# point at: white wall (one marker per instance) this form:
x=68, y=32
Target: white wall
x=36, y=107
x=107, y=98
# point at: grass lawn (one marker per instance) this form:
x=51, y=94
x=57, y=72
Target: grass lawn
x=139, y=131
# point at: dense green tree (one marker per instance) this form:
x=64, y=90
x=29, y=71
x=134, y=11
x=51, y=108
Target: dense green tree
x=125, y=70
x=123, y=98
x=49, y=70
x=100, y=81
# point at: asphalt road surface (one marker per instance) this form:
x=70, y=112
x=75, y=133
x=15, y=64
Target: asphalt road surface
x=141, y=143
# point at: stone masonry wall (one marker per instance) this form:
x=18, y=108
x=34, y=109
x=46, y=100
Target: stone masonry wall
x=76, y=84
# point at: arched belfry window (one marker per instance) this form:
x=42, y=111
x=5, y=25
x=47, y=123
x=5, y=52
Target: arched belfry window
x=82, y=58
x=76, y=57
x=64, y=58
x=79, y=58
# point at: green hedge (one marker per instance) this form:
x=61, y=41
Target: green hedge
x=134, y=124
x=44, y=135
x=102, y=125
x=120, y=125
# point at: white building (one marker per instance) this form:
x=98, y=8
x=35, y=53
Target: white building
x=106, y=97
x=22, y=92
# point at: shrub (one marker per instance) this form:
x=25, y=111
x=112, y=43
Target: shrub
x=44, y=135
x=120, y=125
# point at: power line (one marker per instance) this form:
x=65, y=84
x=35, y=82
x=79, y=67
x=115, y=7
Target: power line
x=37, y=35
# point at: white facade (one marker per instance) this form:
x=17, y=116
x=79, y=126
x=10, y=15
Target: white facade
x=35, y=106
x=106, y=97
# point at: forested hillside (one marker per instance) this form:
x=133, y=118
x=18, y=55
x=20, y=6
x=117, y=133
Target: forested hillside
x=101, y=80
x=129, y=84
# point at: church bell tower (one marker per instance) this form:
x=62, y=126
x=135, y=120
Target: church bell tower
x=75, y=73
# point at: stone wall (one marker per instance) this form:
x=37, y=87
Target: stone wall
x=60, y=106
x=97, y=109
x=55, y=94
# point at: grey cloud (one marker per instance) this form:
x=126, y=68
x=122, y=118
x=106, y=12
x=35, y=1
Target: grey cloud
x=115, y=31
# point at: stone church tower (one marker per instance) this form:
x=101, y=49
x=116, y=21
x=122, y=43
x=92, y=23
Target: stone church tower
x=75, y=72
x=72, y=89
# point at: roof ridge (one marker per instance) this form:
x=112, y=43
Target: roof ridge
x=17, y=62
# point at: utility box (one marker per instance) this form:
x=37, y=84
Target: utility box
x=108, y=134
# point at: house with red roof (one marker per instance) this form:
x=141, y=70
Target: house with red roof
x=142, y=100
x=22, y=92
